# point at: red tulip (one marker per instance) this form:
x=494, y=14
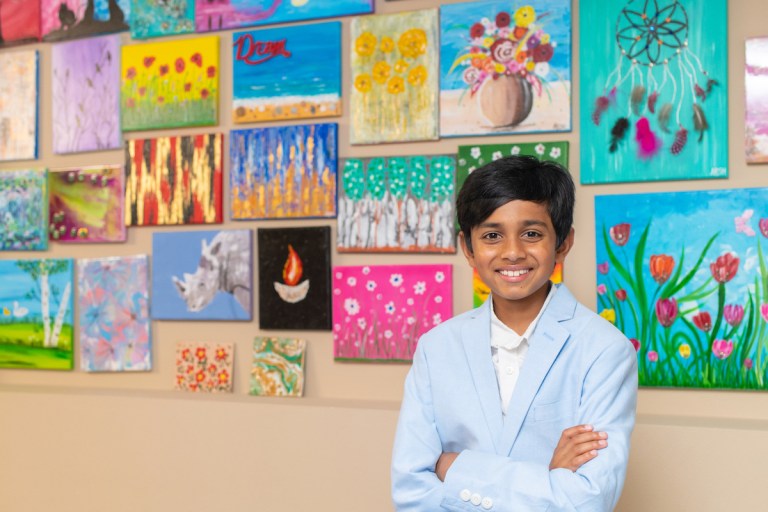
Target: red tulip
x=180, y=65
x=722, y=348
x=130, y=74
x=163, y=69
x=763, y=223
x=148, y=61
x=724, y=268
x=661, y=267
x=211, y=71
x=204, y=93
x=635, y=343
x=621, y=294
x=197, y=59
x=666, y=311
x=703, y=321
x=620, y=233
x=733, y=314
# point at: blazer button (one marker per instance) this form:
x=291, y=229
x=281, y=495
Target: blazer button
x=465, y=495
x=487, y=503
x=476, y=499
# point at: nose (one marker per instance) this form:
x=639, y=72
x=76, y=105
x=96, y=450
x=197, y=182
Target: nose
x=513, y=249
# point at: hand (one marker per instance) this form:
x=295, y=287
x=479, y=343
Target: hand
x=577, y=446
x=444, y=463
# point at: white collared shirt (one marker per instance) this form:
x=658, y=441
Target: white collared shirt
x=508, y=350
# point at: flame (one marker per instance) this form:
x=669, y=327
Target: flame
x=293, y=268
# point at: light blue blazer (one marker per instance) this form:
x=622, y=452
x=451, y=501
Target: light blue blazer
x=579, y=369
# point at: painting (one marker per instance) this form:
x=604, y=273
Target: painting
x=204, y=367
x=24, y=210
x=654, y=90
x=283, y=172
x=18, y=105
x=294, y=278
x=72, y=19
x=397, y=204
x=278, y=367
x=86, y=204
x=308, y=60
x=505, y=67
x=394, y=66
x=202, y=275
x=756, y=83
x=36, y=327
x=152, y=18
x=19, y=22
x=170, y=84
x=228, y=14
x=684, y=276
x=380, y=311
x=113, y=314
x=174, y=180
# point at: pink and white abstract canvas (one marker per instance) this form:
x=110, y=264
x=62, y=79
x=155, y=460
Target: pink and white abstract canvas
x=756, y=83
x=380, y=311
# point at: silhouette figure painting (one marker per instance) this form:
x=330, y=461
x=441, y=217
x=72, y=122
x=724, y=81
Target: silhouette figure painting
x=72, y=19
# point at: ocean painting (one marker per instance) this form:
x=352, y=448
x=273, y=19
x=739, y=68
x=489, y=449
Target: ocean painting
x=308, y=61
x=24, y=210
x=153, y=18
x=756, y=82
x=18, y=105
x=73, y=19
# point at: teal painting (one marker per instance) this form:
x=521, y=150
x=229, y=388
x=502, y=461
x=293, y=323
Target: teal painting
x=153, y=18
x=24, y=210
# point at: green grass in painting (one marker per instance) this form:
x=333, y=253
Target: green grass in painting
x=21, y=346
x=171, y=115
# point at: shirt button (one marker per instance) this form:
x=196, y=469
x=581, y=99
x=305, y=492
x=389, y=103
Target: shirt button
x=465, y=495
x=476, y=499
x=510, y=370
x=487, y=503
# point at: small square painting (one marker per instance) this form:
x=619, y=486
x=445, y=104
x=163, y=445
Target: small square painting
x=24, y=210
x=204, y=367
x=278, y=367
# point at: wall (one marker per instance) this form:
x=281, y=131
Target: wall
x=79, y=442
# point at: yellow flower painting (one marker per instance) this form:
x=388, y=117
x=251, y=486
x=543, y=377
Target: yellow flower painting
x=394, y=63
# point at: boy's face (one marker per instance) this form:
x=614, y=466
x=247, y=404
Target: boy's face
x=514, y=252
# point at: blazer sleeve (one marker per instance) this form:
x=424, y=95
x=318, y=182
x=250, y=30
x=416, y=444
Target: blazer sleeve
x=480, y=481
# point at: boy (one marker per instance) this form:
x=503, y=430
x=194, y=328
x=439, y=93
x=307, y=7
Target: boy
x=471, y=434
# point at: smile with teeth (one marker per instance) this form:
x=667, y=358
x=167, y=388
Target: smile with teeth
x=514, y=273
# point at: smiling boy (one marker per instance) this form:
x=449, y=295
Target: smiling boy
x=500, y=402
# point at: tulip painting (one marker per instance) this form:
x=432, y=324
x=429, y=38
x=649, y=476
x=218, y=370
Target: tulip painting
x=685, y=277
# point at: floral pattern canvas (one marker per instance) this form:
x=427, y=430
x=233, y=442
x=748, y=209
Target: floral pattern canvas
x=684, y=276
x=152, y=18
x=18, y=105
x=278, y=367
x=72, y=19
x=204, y=367
x=23, y=210
x=19, y=22
x=505, y=67
x=394, y=71
x=113, y=312
x=380, y=311
x=756, y=82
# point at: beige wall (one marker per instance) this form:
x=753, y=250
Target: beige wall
x=80, y=442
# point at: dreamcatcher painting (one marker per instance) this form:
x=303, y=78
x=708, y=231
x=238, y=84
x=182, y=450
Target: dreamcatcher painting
x=654, y=105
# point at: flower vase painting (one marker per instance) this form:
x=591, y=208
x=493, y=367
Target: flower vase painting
x=278, y=367
x=170, y=84
x=18, y=105
x=685, y=277
x=756, y=82
x=397, y=204
x=380, y=311
x=505, y=68
x=394, y=71
x=654, y=90
x=74, y=19
x=113, y=311
x=24, y=210
x=153, y=18
x=19, y=22
x=204, y=367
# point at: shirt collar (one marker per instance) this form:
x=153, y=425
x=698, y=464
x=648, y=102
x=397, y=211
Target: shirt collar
x=502, y=336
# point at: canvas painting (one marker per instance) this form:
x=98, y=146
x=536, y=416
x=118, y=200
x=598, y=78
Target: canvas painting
x=505, y=67
x=113, y=311
x=86, y=205
x=228, y=14
x=24, y=210
x=283, y=172
x=294, y=278
x=72, y=19
x=202, y=275
x=308, y=60
x=174, y=180
x=86, y=96
x=654, y=90
x=756, y=83
x=397, y=204
x=684, y=276
x=36, y=327
x=278, y=367
x=380, y=311
x=394, y=66
x=205, y=367
x=19, y=22
x=170, y=84
x=18, y=105
x=153, y=18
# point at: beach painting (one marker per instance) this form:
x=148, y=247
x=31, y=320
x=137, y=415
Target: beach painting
x=86, y=204
x=204, y=367
x=685, y=277
x=394, y=69
x=229, y=14
x=24, y=210
x=505, y=67
x=283, y=172
x=202, y=275
x=170, y=84
x=756, y=83
x=380, y=311
x=18, y=105
x=397, y=204
x=294, y=278
x=278, y=367
x=36, y=326
x=153, y=18
x=113, y=314
x=73, y=19
x=174, y=180
x=86, y=95
x=654, y=90
x=19, y=22
x=307, y=59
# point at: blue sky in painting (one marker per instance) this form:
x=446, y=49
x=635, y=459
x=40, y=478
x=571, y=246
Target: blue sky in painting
x=311, y=9
x=17, y=283
x=101, y=8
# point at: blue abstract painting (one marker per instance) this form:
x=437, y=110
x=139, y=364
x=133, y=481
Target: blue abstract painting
x=24, y=210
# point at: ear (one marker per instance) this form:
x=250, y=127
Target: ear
x=179, y=285
x=214, y=249
x=565, y=247
x=204, y=248
x=466, y=250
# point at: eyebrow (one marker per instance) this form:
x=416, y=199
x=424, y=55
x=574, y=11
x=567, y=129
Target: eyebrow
x=526, y=223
